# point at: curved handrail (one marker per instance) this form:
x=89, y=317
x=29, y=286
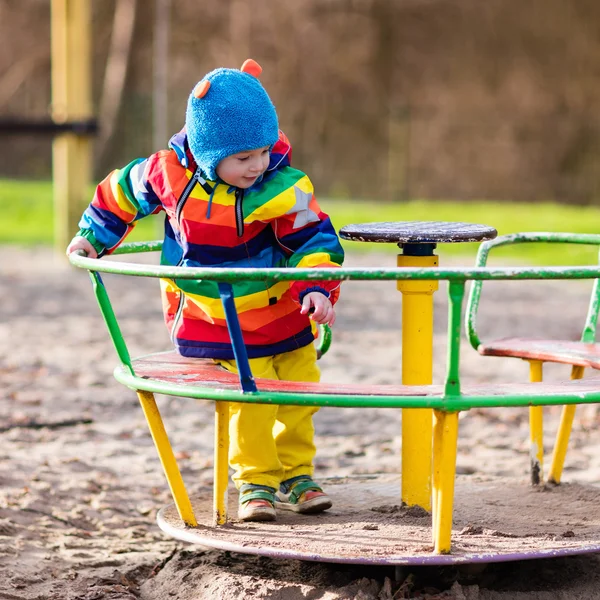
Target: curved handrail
x=474, y=296
x=450, y=398
x=329, y=274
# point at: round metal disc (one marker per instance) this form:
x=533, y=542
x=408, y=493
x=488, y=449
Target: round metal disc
x=495, y=520
x=417, y=232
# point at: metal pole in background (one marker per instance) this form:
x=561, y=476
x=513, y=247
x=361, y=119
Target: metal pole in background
x=160, y=94
x=71, y=101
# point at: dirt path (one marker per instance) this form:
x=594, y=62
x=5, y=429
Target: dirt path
x=81, y=484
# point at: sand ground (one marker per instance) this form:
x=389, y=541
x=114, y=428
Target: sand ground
x=80, y=482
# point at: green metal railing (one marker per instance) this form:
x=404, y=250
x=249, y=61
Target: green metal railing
x=589, y=329
x=448, y=397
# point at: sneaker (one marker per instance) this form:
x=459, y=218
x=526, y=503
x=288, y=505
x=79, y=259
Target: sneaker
x=257, y=503
x=302, y=495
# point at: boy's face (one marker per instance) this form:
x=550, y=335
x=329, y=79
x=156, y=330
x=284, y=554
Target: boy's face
x=244, y=168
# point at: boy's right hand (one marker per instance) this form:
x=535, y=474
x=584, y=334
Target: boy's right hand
x=81, y=243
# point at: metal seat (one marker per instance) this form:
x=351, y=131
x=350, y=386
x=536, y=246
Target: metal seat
x=174, y=374
x=581, y=354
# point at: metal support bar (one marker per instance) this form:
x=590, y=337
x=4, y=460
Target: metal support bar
x=237, y=340
x=221, y=463
x=536, y=428
x=445, y=439
x=111, y=321
x=167, y=458
x=591, y=322
x=456, y=294
x=563, y=435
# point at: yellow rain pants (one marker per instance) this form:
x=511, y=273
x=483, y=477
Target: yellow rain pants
x=270, y=443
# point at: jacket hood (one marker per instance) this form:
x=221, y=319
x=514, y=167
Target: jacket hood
x=281, y=153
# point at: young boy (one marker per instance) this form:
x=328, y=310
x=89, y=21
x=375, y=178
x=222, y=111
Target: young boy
x=232, y=200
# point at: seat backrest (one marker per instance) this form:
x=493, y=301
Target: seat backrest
x=589, y=329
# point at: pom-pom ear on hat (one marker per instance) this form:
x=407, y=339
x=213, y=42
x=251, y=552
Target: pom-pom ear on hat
x=201, y=89
x=228, y=112
x=251, y=67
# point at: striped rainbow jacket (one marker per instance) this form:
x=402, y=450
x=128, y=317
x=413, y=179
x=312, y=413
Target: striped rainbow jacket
x=275, y=223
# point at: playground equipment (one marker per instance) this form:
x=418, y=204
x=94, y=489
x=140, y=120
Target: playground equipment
x=579, y=354
x=384, y=540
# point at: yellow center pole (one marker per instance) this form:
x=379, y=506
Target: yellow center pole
x=417, y=369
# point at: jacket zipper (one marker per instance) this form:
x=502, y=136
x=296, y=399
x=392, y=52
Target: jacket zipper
x=239, y=214
x=196, y=178
x=239, y=225
x=180, y=204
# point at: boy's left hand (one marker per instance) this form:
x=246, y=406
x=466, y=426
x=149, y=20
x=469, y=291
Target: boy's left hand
x=324, y=313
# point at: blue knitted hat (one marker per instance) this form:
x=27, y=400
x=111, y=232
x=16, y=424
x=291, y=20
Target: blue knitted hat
x=228, y=112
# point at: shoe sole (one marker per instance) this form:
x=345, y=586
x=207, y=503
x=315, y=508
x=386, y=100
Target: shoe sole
x=309, y=507
x=262, y=513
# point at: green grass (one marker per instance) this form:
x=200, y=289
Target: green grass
x=27, y=215
x=26, y=209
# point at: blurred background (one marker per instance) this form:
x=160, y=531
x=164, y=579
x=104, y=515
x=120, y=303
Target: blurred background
x=386, y=100
x=457, y=110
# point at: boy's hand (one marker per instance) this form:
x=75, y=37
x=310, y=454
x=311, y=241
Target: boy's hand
x=81, y=243
x=323, y=312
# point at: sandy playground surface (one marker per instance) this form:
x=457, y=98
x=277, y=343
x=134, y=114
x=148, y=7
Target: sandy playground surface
x=80, y=482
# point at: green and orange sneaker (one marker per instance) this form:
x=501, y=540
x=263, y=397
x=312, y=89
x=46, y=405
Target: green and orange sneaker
x=257, y=503
x=302, y=495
